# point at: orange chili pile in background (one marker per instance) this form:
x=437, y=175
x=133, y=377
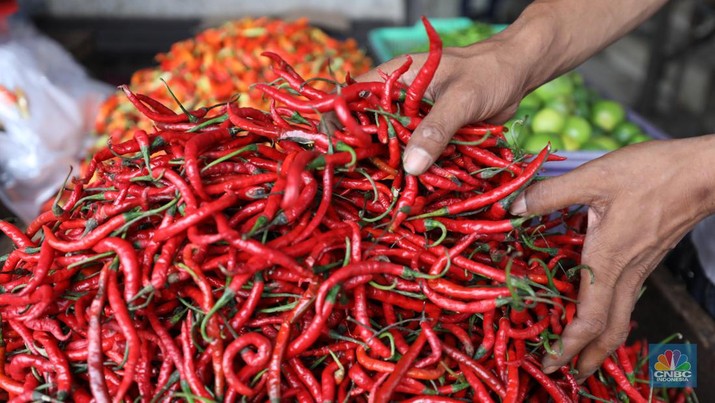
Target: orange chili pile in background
x=223, y=62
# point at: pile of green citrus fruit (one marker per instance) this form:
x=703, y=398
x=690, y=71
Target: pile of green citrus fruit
x=572, y=117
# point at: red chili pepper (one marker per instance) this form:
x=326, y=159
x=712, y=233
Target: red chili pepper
x=307, y=378
x=496, y=194
x=424, y=76
x=530, y=331
x=127, y=325
x=385, y=391
x=382, y=366
x=461, y=335
x=575, y=388
x=59, y=361
x=625, y=361
x=480, y=371
x=262, y=358
x=435, y=344
x=390, y=318
x=127, y=262
x=281, y=343
x=459, y=306
x=550, y=387
x=95, y=365
x=512, y=381
x=480, y=392
x=612, y=369
x=16, y=236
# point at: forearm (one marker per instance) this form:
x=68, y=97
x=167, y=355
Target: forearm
x=700, y=170
x=554, y=36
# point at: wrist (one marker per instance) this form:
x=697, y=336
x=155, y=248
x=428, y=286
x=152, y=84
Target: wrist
x=528, y=48
x=699, y=167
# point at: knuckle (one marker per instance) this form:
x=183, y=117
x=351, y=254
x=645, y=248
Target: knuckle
x=632, y=283
x=591, y=325
x=607, y=277
x=609, y=342
x=606, y=267
x=639, y=272
x=433, y=133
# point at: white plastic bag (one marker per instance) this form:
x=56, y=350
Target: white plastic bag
x=45, y=123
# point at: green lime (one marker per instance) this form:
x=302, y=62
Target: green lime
x=590, y=145
x=607, y=114
x=639, y=138
x=582, y=109
x=558, y=86
x=593, y=96
x=604, y=143
x=624, y=132
x=569, y=143
x=577, y=79
x=548, y=120
x=597, y=131
x=536, y=142
x=530, y=101
x=576, y=132
x=582, y=95
x=562, y=103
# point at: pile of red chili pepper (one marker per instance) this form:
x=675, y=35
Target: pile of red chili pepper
x=223, y=62
x=235, y=254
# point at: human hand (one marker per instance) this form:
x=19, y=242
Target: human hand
x=482, y=82
x=642, y=200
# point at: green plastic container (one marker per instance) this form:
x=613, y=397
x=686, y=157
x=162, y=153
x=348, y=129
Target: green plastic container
x=386, y=43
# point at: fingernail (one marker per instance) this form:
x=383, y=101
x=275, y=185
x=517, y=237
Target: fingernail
x=416, y=161
x=581, y=378
x=548, y=370
x=550, y=362
x=518, y=207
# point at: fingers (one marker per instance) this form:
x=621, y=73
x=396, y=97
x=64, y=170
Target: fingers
x=435, y=131
x=591, y=320
x=595, y=295
x=575, y=187
x=617, y=329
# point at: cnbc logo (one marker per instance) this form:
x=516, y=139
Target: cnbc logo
x=673, y=365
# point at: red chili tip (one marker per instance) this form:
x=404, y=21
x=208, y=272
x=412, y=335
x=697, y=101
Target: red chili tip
x=426, y=22
x=431, y=32
x=554, y=157
x=273, y=56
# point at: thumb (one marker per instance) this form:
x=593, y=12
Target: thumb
x=434, y=132
x=554, y=193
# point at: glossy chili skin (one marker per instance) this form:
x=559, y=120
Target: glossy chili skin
x=230, y=253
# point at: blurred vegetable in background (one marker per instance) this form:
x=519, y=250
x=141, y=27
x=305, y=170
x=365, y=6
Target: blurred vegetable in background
x=478, y=31
x=223, y=62
x=572, y=117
